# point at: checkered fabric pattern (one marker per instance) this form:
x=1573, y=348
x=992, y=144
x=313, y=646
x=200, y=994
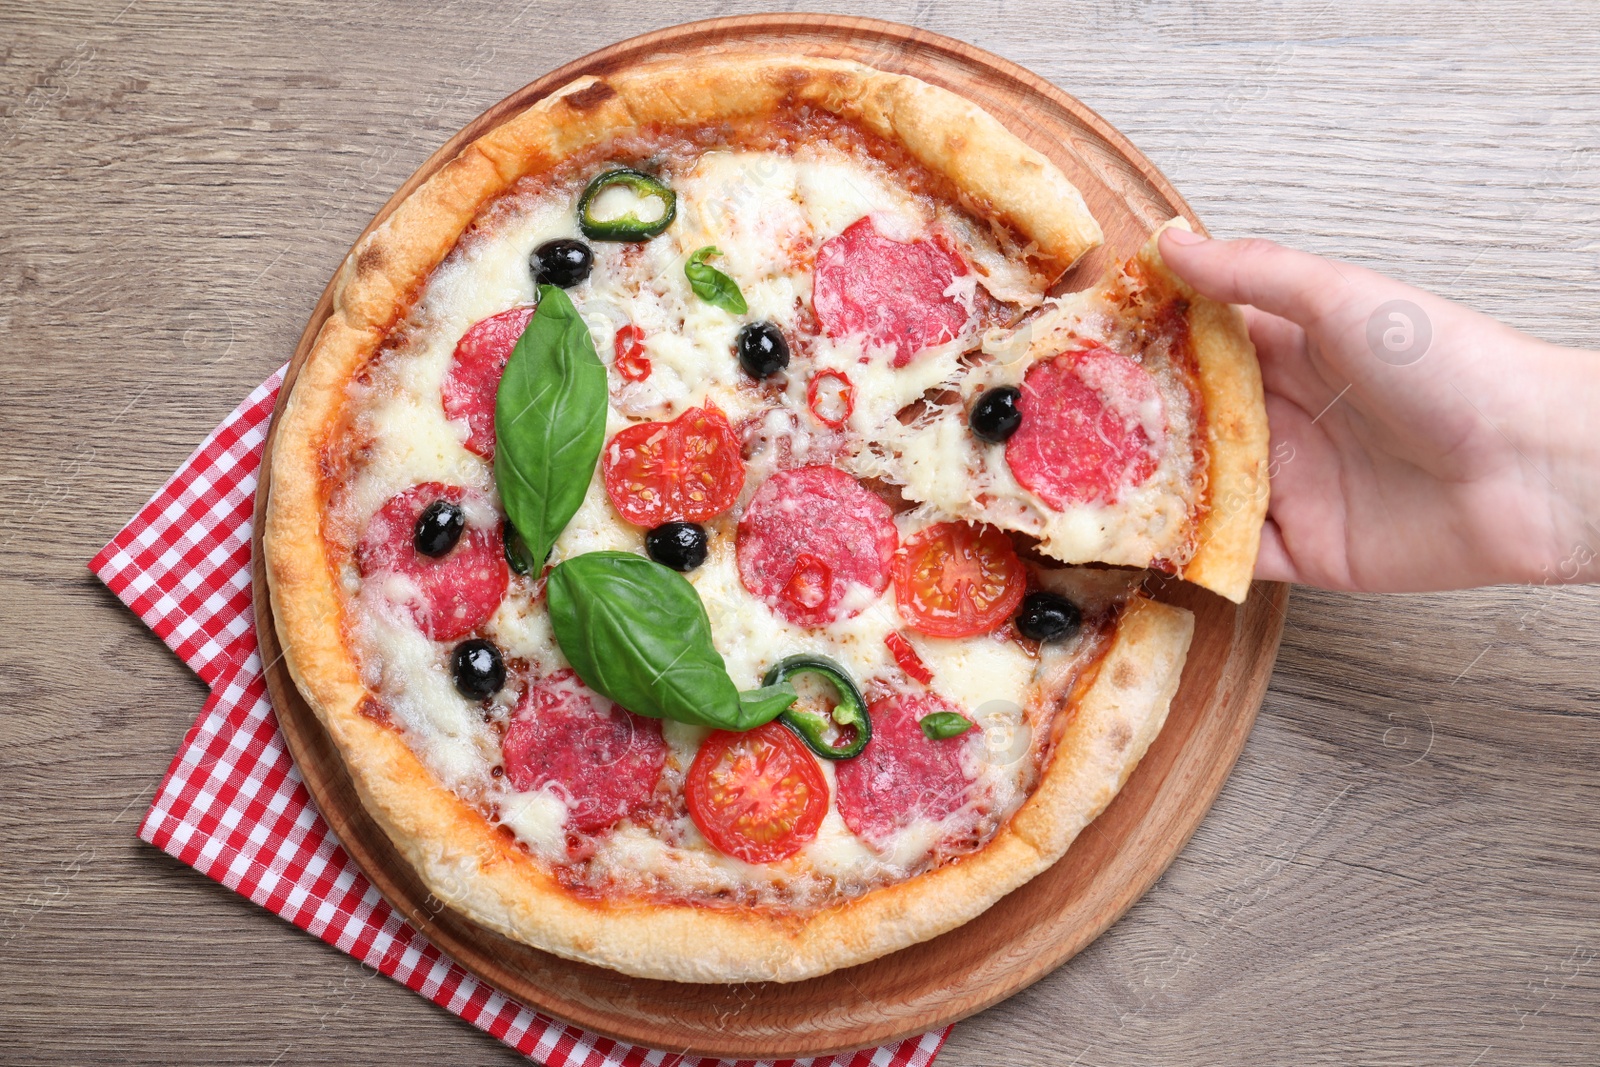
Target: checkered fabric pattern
x=233, y=805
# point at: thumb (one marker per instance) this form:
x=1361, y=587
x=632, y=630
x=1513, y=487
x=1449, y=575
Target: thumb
x=1297, y=286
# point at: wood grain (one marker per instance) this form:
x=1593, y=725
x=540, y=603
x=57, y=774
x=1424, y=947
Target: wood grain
x=1405, y=864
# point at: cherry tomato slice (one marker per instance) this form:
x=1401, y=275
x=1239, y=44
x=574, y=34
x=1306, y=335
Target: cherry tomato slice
x=955, y=580
x=831, y=396
x=756, y=796
x=907, y=657
x=631, y=362
x=688, y=469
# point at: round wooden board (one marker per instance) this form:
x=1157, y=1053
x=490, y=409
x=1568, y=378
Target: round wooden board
x=1036, y=928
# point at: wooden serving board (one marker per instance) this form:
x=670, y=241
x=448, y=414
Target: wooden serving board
x=1036, y=928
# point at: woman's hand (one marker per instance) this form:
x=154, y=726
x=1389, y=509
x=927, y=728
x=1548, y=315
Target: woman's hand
x=1416, y=444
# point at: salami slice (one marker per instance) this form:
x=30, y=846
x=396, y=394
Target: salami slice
x=689, y=469
x=474, y=376
x=448, y=596
x=1092, y=428
x=809, y=537
x=896, y=294
x=603, y=760
x=902, y=776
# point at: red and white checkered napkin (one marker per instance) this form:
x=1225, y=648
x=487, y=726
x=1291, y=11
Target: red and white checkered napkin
x=233, y=806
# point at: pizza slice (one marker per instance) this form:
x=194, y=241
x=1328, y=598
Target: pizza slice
x=1123, y=424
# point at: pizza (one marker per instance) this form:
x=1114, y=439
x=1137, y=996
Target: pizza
x=714, y=550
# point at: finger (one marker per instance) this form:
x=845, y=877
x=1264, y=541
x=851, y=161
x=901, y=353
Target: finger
x=1307, y=506
x=1270, y=329
x=1280, y=344
x=1286, y=366
x=1272, y=561
x=1297, y=286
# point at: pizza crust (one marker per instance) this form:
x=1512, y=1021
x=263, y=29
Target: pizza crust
x=471, y=868
x=1229, y=533
x=459, y=855
x=996, y=173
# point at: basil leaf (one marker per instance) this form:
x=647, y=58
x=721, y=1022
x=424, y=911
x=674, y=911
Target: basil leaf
x=711, y=285
x=759, y=706
x=549, y=422
x=944, y=724
x=636, y=632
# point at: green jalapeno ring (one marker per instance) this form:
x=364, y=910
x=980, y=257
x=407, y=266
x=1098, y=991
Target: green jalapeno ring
x=626, y=227
x=851, y=710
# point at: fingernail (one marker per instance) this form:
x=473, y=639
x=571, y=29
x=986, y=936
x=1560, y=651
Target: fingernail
x=1180, y=236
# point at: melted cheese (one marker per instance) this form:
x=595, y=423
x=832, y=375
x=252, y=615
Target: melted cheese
x=448, y=734
x=747, y=204
x=941, y=464
x=766, y=213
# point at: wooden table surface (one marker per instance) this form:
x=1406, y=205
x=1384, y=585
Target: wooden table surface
x=1405, y=865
